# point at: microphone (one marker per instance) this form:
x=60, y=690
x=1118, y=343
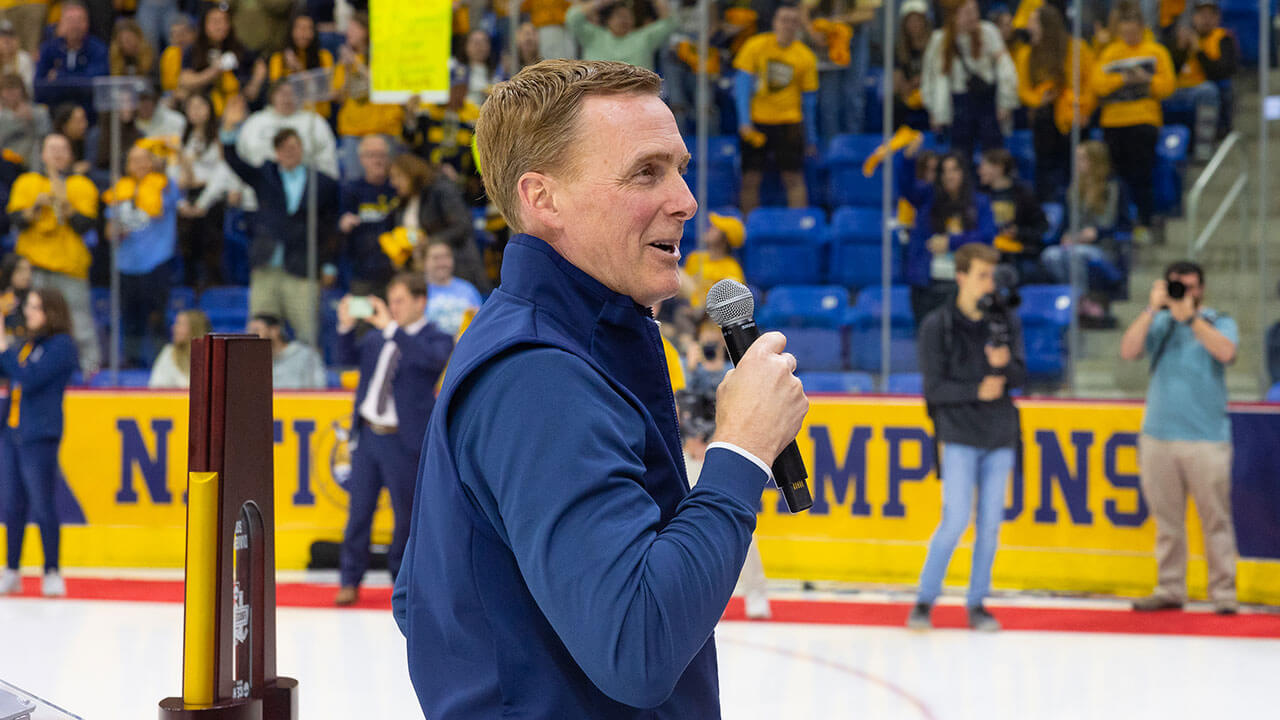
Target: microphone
x=730, y=305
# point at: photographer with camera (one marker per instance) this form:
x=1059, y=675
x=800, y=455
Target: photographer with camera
x=971, y=357
x=1185, y=446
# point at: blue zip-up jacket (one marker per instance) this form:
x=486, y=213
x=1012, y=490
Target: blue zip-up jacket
x=43, y=379
x=918, y=255
x=558, y=565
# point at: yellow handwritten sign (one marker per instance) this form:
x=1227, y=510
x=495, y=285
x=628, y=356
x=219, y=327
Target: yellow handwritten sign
x=409, y=50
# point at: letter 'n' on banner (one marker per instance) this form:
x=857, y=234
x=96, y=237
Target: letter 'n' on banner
x=229, y=633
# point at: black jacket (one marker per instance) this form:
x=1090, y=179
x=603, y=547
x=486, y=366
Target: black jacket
x=1020, y=217
x=274, y=224
x=954, y=367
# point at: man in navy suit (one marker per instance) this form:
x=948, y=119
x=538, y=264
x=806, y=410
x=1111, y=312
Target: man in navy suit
x=400, y=362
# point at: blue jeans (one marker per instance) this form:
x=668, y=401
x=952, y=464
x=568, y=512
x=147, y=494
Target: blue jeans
x=1207, y=101
x=1098, y=267
x=29, y=482
x=842, y=97
x=154, y=17
x=965, y=468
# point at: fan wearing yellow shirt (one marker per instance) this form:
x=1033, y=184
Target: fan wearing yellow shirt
x=1131, y=77
x=52, y=213
x=776, y=96
x=704, y=268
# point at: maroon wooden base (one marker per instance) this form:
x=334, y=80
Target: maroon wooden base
x=279, y=701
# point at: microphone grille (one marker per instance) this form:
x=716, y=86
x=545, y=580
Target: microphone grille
x=729, y=302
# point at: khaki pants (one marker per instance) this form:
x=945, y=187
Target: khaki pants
x=83, y=328
x=293, y=299
x=1171, y=470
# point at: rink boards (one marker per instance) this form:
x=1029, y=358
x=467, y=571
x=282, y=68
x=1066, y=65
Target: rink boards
x=1075, y=517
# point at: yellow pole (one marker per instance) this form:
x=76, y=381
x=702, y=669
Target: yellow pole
x=201, y=589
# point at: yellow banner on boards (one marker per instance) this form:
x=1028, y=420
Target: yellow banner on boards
x=124, y=456
x=410, y=39
x=1075, y=520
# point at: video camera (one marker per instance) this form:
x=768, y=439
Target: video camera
x=997, y=306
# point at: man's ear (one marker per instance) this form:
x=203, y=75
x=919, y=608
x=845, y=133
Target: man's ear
x=538, y=208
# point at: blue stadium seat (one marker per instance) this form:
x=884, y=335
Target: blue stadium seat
x=851, y=148
x=333, y=379
x=857, y=265
x=127, y=379
x=856, y=225
x=846, y=185
x=871, y=299
x=864, y=320
x=1045, y=313
x=769, y=265
x=772, y=192
x=226, y=297
x=1046, y=305
x=906, y=384
x=722, y=185
x=1273, y=395
x=1172, y=146
x=722, y=151
x=816, y=349
x=181, y=298
x=786, y=226
x=1171, y=159
x=1022, y=148
x=1241, y=18
x=227, y=307
x=865, y=344
x=836, y=382
x=821, y=306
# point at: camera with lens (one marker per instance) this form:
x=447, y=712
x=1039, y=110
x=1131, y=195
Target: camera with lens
x=1176, y=289
x=997, y=306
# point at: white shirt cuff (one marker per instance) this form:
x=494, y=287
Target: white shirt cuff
x=734, y=448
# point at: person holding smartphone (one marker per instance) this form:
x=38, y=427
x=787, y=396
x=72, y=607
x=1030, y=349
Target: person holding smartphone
x=399, y=365
x=1185, y=446
x=38, y=371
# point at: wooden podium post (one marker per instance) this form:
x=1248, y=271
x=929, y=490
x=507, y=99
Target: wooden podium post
x=229, y=646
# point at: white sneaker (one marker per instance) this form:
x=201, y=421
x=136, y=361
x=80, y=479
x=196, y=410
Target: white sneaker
x=53, y=585
x=10, y=582
x=757, y=606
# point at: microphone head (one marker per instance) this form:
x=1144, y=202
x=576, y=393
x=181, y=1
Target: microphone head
x=729, y=302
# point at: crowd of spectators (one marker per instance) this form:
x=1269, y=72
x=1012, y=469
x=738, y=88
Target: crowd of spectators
x=251, y=111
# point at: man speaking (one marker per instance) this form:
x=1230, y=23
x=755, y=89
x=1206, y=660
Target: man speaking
x=558, y=564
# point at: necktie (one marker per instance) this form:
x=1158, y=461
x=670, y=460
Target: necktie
x=384, y=392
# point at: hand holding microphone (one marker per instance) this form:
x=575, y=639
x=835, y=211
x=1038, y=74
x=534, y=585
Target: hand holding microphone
x=761, y=404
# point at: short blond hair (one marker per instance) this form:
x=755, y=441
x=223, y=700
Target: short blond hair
x=529, y=123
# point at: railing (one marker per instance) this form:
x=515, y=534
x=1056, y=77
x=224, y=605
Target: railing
x=1197, y=240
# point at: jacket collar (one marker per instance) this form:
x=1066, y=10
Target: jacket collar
x=533, y=271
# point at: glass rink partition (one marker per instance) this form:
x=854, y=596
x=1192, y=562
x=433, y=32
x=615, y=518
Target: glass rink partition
x=834, y=277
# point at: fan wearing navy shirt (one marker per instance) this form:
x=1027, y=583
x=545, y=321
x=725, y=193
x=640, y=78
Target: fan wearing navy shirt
x=400, y=362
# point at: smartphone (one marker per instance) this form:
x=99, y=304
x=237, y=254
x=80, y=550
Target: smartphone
x=360, y=307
